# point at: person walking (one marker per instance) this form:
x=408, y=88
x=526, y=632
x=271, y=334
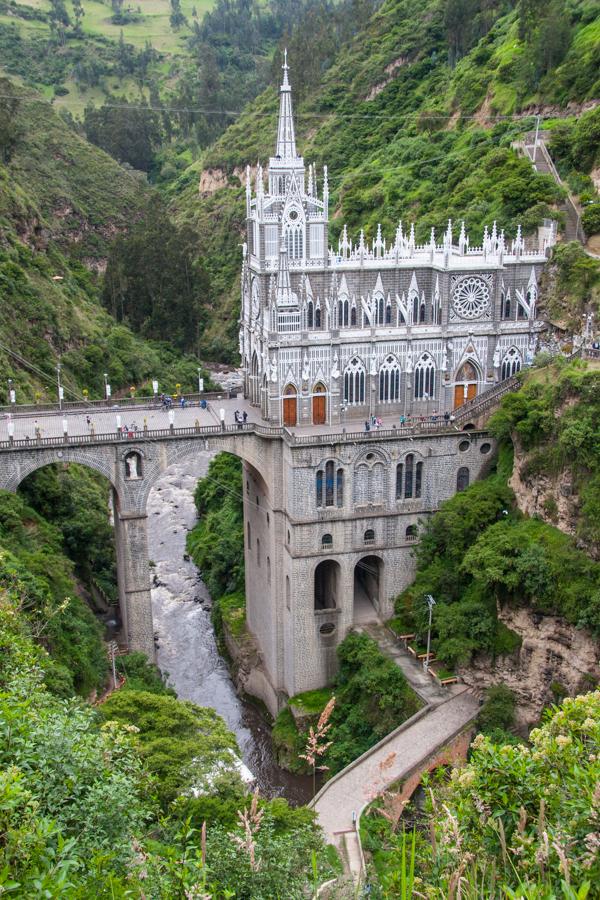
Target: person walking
x=367, y=426
x=245, y=416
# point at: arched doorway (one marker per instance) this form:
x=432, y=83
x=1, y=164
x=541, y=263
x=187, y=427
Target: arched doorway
x=327, y=579
x=290, y=406
x=367, y=583
x=465, y=383
x=319, y=404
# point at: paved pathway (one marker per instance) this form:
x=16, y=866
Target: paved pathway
x=351, y=790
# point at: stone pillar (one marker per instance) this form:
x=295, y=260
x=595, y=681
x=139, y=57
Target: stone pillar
x=134, y=581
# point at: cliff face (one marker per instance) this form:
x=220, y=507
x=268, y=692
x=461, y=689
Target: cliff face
x=551, y=498
x=554, y=659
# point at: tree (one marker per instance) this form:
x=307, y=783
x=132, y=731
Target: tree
x=177, y=18
x=78, y=12
x=156, y=281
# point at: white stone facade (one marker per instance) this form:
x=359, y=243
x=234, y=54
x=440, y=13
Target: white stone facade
x=328, y=335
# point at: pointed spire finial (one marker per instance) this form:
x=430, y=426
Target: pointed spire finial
x=286, y=139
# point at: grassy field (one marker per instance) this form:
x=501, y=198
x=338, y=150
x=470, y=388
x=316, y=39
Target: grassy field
x=152, y=27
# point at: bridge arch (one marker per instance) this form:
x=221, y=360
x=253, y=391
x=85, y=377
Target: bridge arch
x=28, y=463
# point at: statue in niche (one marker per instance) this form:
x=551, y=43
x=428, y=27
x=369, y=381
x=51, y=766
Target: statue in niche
x=445, y=360
x=273, y=370
x=132, y=466
x=305, y=369
x=409, y=363
x=497, y=358
x=335, y=369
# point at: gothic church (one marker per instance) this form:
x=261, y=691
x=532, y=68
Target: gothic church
x=382, y=328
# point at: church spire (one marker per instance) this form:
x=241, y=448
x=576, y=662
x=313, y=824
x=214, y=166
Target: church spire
x=286, y=140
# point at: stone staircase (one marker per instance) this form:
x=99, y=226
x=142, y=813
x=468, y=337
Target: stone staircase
x=542, y=162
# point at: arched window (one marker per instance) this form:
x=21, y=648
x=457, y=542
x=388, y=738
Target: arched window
x=425, y=378
x=462, y=478
x=415, y=309
x=329, y=483
x=507, y=308
x=521, y=311
x=354, y=382
x=310, y=314
x=389, y=381
x=511, y=364
x=326, y=540
x=399, y=481
x=353, y=315
x=361, y=485
x=418, y=479
x=409, y=464
x=294, y=241
x=319, y=487
x=318, y=317
x=379, y=304
x=343, y=312
x=249, y=537
x=411, y=533
x=422, y=314
x=388, y=314
x=339, y=487
x=369, y=536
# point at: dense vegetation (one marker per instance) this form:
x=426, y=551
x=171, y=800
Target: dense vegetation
x=372, y=698
x=216, y=543
x=111, y=801
x=554, y=419
x=32, y=559
x=62, y=202
x=408, y=115
x=478, y=552
x=516, y=821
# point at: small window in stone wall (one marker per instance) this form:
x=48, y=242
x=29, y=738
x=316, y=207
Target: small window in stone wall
x=369, y=536
x=269, y=570
x=327, y=628
x=288, y=536
x=464, y=445
x=399, y=481
x=268, y=520
x=485, y=448
x=258, y=551
x=418, y=479
x=462, y=478
x=411, y=533
x=326, y=540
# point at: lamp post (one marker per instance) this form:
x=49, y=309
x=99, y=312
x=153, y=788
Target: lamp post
x=107, y=391
x=12, y=397
x=59, y=385
x=430, y=603
x=200, y=381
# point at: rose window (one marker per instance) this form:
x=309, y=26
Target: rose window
x=470, y=298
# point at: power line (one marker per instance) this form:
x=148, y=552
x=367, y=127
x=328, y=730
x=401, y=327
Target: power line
x=424, y=114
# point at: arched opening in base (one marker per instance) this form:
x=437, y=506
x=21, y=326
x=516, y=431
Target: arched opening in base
x=327, y=581
x=367, y=585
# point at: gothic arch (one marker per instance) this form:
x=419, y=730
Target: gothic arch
x=389, y=380
x=424, y=378
x=355, y=376
x=511, y=363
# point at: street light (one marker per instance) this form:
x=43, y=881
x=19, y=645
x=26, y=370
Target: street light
x=61, y=392
x=200, y=381
x=107, y=390
x=430, y=603
x=12, y=397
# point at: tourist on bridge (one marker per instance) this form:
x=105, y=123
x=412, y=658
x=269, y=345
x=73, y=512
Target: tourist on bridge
x=245, y=417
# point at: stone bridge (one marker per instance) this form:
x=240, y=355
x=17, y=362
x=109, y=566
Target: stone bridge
x=330, y=517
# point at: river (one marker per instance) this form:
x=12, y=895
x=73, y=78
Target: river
x=187, y=649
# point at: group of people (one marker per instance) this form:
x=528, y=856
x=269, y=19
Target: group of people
x=240, y=418
x=374, y=422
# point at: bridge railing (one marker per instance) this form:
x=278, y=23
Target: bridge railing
x=489, y=398
x=149, y=402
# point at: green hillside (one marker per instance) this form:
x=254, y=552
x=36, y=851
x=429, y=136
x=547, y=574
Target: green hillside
x=414, y=118
x=62, y=202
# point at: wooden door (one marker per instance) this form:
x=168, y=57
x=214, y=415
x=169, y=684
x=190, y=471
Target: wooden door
x=319, y=405
x=459, y=395
x=290, y=404
x=471, y=391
